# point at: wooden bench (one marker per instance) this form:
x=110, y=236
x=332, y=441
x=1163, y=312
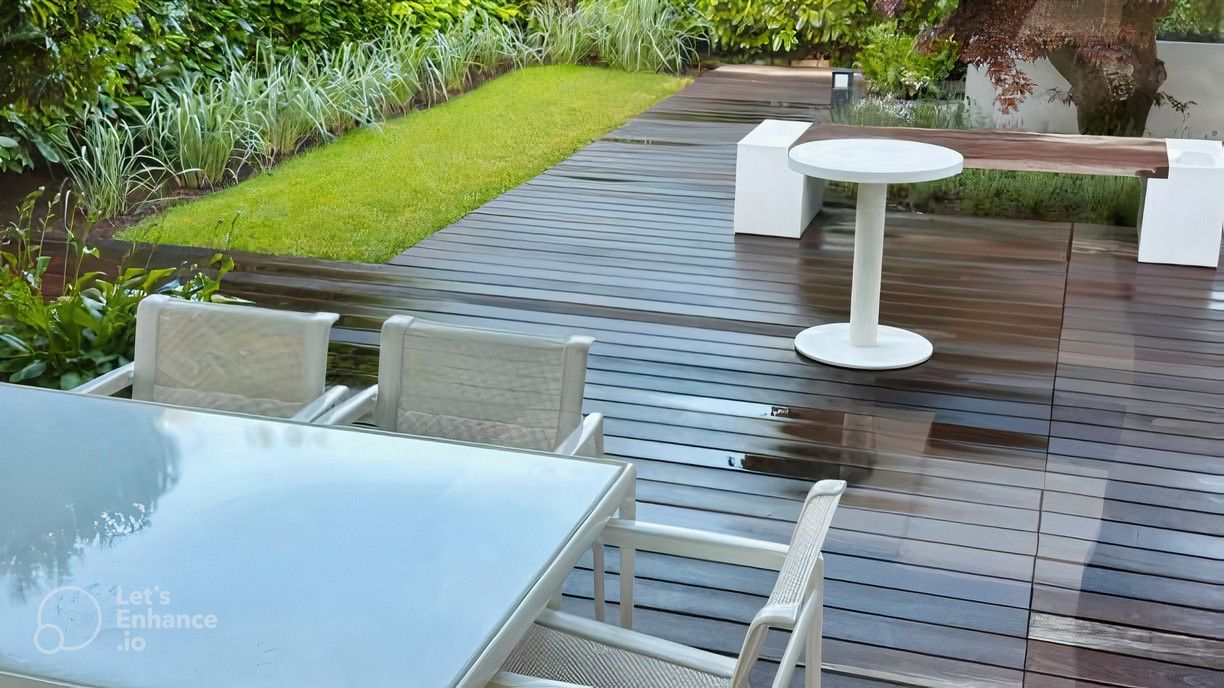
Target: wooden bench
x=1182, y=208
x=986, y=149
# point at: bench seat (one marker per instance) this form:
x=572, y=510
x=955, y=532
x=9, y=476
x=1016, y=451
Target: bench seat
x=1182, y=210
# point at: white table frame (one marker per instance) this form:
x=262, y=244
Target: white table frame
x=872, y=164
x=621, y=502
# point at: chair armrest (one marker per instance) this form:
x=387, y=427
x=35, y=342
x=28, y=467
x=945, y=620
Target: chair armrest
x=322, y=404
x=638, y=643
x=586, y=439
x=352, y=409
x=505, y=679
x=695, y=544
x=110, y=383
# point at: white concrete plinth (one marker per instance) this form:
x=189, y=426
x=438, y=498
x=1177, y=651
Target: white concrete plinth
x=1182, y=216
x=771, y=199
x=894, y=347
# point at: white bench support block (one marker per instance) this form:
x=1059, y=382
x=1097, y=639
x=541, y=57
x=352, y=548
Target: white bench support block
x=1181, y=217
x=770, y=197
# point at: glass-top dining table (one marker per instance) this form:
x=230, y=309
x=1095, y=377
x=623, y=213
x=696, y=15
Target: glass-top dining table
x=144, y=545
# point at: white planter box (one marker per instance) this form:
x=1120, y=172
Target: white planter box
x=1181, y=217
x=770, y=198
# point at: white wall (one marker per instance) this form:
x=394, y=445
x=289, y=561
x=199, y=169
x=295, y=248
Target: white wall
x=1196, y=72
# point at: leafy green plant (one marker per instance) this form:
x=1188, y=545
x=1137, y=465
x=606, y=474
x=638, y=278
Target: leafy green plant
x=62, y=332
x=429, y=16
x=495, y=46
x=28, y=139
x=893, y=63
x=633, y=35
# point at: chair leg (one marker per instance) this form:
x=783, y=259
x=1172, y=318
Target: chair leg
x=628, y=511
x=600, y=572
x=812, y=651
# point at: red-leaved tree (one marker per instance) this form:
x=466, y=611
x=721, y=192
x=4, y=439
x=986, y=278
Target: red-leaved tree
x=1105, y=49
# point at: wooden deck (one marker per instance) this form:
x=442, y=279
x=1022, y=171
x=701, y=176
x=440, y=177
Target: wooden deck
x=1040, y=504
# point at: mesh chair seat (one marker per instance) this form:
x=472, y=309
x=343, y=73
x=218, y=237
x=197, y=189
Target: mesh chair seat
x=479, y=385
x=229, y=358
x=560, y=656
x=561, y=647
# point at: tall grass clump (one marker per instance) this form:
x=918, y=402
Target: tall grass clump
x=110, y=168
x=886, y=111
x=647, y=35
x=470, y=49
x=404, y=55
x=355, y=84
x=281, y=107
x=498, y=46
x=563, y=34
x=1042, y=196
x=193, y=128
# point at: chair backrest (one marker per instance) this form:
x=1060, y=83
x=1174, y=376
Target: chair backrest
x=799, y=580
x=479, y=385
x=229, y=357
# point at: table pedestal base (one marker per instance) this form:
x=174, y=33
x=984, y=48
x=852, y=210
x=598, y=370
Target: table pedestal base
x=895, y=347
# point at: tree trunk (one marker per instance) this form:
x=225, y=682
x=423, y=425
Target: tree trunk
x=1113, y=95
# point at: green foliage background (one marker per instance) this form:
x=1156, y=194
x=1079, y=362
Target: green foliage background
x=1195, y=20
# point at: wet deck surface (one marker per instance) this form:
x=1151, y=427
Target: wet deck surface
x=1039, y=504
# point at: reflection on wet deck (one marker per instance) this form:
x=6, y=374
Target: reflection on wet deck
x=1041, y=503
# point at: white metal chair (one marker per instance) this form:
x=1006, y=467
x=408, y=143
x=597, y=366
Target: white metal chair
x=565, y=651
x=479, y=385
x=227, y=358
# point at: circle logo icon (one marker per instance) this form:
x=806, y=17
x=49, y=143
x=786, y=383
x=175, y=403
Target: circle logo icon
x=74, y=611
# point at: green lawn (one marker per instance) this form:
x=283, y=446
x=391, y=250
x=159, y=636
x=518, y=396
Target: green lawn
x=371, y=194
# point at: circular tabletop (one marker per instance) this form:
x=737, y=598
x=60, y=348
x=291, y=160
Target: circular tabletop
x=875, y=161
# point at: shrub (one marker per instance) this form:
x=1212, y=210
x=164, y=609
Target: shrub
x=893, y=63
x=62, y=334
x=1195, y=20
x=784, y=25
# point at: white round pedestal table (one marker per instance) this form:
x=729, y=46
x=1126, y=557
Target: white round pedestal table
x=873, y=164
